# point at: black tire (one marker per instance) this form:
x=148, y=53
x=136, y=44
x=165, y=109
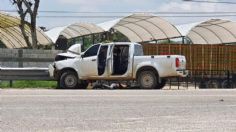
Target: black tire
x=162, y=84
x=212, y=84
x=147, y=79
x=227, y=84
x=202, y=85
x=69, y=80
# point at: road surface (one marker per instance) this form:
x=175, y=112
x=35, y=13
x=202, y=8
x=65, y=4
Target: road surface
x=118, y=110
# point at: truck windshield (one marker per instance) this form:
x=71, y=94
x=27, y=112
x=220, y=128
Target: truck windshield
x=138, y=50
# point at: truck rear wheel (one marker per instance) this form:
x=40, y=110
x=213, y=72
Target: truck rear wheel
x=69, y=80
x=147, y=80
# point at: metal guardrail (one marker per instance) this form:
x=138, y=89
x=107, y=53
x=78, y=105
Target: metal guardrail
x=205, y=79
x=24, y=74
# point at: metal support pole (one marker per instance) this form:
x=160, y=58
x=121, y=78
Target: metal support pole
x=178, y=82
x=20, y=55
x=53, y=47
x=187, y=81
x=228, y=78
x=83, y=40
x=93, y=37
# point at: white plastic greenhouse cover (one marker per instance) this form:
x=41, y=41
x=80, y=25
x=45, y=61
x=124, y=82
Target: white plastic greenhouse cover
x=74, y=30
x=142, y=27
x=214, y=31
x=10, y=33
x=136, y=27
x=55, y=33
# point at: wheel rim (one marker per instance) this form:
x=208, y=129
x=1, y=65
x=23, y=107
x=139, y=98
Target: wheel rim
x=147, y=80
x=70, y=81
x=212, y=84
x=227, y=84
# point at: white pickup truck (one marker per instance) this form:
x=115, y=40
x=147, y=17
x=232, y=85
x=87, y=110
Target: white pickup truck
x=117, y=62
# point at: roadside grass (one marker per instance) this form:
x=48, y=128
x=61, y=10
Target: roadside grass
x=29, y=84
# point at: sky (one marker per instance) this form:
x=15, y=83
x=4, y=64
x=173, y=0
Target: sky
x=120, y=6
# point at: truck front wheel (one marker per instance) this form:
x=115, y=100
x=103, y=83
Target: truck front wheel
x=69, y=80
x=147, y=80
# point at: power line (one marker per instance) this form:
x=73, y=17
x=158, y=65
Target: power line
x=217, y=2
x=119, y=16
x=96, y=12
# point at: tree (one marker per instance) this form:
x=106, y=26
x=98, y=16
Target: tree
x=28, y=8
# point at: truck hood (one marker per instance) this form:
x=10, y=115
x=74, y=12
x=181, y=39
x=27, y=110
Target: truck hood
x=69, y=54
x=72, y=52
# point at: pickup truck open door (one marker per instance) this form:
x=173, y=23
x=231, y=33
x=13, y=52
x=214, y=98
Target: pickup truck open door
x=120, y=61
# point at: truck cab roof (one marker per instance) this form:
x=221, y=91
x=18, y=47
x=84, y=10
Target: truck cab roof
x=119, y=43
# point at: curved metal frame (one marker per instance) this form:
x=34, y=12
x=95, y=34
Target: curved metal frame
x=208, y=23
x=10, y=25
x=146, y=20
x=131, y=31
x=199, y=35
x=217, y=36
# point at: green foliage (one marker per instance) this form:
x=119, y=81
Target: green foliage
x=119, y=37
x=87, y=42
x=29, y=84
x=106, y=41
x=46, y=47
x=166, y=42
x=98, y=38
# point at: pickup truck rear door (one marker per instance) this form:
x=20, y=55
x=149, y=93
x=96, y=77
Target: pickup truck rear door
x=120, y=61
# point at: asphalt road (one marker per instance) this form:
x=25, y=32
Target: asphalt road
x=118, y=110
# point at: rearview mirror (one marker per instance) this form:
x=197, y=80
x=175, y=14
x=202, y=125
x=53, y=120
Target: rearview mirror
x=82, y=55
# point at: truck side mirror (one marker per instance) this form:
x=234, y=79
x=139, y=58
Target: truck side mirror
x=82, y=55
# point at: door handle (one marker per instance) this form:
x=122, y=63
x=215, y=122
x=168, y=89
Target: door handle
x=94, y=59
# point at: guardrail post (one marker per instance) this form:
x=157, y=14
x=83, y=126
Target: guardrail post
x=187, y=81
x=11, y=83
x=20, y=56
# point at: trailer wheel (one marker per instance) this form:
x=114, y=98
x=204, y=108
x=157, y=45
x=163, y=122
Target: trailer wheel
x=69, y=80
x=227, y=84
x=212, y=84
x=147, y=79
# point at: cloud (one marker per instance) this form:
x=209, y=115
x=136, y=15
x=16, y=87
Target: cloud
x=187, y=6
x=194, y=7
x=197, y=7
